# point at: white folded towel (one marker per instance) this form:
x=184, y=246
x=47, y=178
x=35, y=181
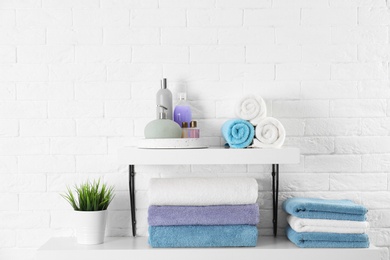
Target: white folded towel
x=202, y=191
x=269, y=133
x=251, y=108
x=327, y=225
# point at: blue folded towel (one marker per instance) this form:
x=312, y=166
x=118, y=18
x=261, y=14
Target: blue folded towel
x=238, y=133
x=203, y=236
x=325, y=209
x=327, y=240
x=203, y=215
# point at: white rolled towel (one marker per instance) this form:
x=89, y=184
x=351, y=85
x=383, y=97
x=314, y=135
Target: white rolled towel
x=269, y=133
x=327, y=225
x=202, y=191
x=251, y=108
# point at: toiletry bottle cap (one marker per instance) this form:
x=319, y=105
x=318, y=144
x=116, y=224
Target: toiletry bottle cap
x=184, y=125
x=162, y=114
x=193, y=124
x=183, y=96
x=164, y=83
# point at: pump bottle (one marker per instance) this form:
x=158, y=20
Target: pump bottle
x=162, y=127
x=164, y=98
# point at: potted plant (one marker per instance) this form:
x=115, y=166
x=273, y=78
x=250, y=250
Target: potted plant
x=90, y=203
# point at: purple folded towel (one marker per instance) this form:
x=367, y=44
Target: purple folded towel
x=203, y=215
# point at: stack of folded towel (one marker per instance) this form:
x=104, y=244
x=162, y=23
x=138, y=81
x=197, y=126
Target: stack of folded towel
x=253, y=128
x=319, y=223
x=203, y=212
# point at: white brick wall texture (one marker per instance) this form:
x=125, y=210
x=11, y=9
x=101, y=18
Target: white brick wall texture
x=78, y=81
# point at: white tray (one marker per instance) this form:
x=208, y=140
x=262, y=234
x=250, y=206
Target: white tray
x=172, y=143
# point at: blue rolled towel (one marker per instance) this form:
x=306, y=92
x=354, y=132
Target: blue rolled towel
x=203, y=236
x=238, y=133
x=327, y=240
x=325, y=209
x=203, y=215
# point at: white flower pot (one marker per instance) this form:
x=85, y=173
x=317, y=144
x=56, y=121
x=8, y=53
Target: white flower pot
x=90, y=226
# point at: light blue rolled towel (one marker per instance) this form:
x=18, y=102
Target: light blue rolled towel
x=203, y=236
x=327, y=240
x=238, y=133
x=325, y=209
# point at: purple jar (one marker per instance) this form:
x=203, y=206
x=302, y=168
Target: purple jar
x=182, y=112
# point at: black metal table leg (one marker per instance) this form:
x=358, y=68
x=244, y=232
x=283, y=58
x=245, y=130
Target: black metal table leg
x=275, y=193
x=132, y=199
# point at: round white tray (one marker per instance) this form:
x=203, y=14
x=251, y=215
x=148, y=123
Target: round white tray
x=172, y=143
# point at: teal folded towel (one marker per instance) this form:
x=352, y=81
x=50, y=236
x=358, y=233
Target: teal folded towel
x=325, y=209
x=238, y=133
x=203, y=236
x=327, y=240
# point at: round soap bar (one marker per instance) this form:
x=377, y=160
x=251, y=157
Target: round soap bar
x=162, y=128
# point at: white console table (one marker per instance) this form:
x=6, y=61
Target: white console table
x=138, y=248
x=213, y=155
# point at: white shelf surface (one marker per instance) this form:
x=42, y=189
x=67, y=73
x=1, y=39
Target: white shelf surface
x=211, y=155
x=138, y=248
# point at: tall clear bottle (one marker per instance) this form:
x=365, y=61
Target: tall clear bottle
x=164, y=99
x=182, y=111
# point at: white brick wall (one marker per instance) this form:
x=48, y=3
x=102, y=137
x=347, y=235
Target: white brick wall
x=78, y=79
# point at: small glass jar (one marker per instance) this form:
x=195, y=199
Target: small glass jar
x=193, y=131
x=184, y=131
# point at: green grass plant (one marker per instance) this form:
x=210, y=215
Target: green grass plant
x=90, y=196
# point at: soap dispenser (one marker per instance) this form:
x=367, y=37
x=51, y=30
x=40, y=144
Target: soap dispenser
x=164, y=98
x=162, y=127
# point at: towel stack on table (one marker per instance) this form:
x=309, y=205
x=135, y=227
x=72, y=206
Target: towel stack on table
x=253, y=128
x=320, y=223
x=203, y=212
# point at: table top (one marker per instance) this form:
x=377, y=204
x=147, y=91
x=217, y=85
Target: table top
x=138, y=248
x=210, y=155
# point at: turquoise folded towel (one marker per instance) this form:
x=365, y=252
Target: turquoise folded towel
x=238, y=133
x=325, y=209
x=203, y=236
x=327, y=240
